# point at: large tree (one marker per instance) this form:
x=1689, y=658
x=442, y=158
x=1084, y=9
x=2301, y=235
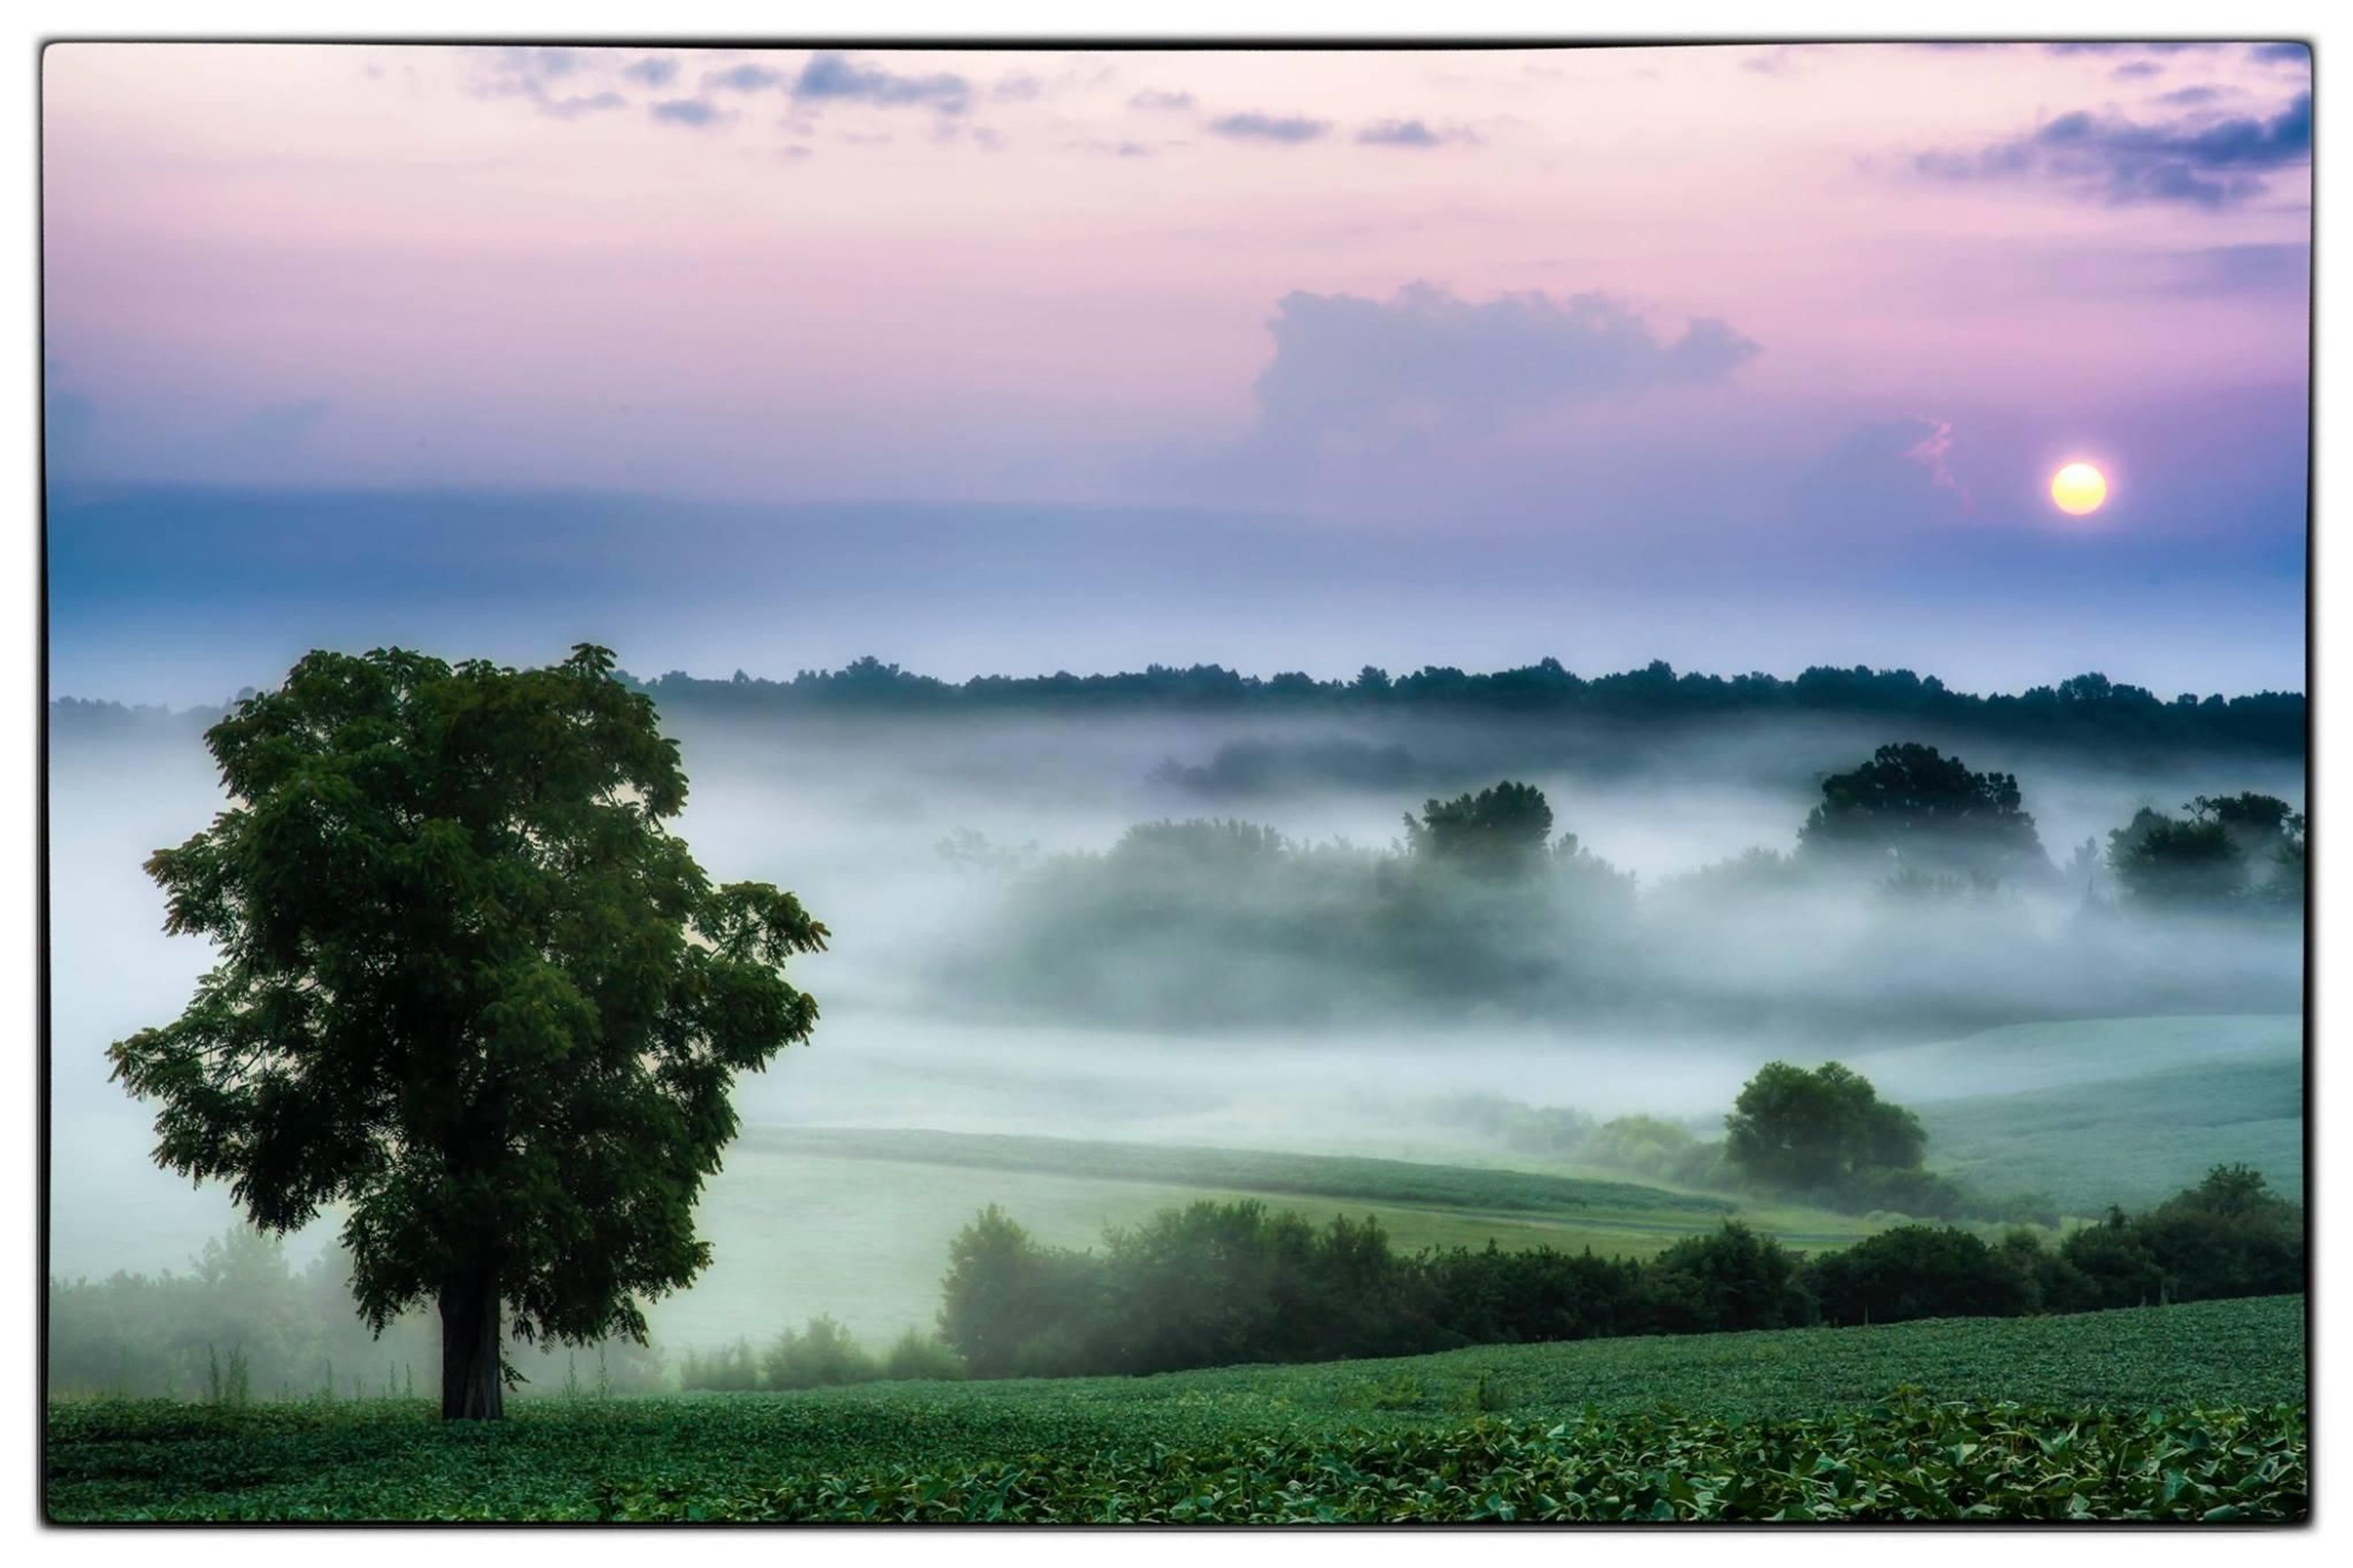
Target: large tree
x=1913, y=809
x=470, y=988
x=1819, y=1130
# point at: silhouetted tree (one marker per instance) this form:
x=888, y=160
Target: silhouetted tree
x=2163, y=860
x=1913, y=809
x=470, y=988
x=1499, y=832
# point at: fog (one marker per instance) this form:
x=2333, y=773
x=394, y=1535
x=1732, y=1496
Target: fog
x=925, y=848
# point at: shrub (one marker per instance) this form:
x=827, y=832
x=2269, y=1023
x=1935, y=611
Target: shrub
x=1919, y=1271
x=920, y=1357
x=821, y=1355
x=1738, y=1279
x=733, y=1369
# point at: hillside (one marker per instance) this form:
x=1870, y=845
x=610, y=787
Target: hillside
x=855, y=1223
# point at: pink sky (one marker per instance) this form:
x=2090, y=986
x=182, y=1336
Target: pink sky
x=415, y=264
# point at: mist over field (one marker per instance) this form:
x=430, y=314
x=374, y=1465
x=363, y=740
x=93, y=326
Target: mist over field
x=978, y=982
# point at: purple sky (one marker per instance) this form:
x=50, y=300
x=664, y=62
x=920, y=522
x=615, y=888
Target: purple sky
x=1799, y=331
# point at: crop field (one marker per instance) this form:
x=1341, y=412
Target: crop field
x=2183, y=1413
x=856, y=1223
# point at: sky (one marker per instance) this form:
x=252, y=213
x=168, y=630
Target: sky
x=1744, y=357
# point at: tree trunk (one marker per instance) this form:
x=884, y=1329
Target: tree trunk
x=471, y=1388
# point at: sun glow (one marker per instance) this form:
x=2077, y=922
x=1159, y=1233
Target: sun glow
x=2078, y=489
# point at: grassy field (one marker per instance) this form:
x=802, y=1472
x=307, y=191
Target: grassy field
x=2133, y=1141
x=856, y=1223
x=2187, y=1412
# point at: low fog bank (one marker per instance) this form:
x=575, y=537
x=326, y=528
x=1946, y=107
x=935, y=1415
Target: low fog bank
x=914, y=842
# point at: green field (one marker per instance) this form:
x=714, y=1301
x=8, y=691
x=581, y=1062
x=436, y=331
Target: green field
x=2131, y=1141
x=856, y=1223
x=2180, y=1411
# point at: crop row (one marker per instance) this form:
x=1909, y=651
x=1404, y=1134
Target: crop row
x=1907, y=1459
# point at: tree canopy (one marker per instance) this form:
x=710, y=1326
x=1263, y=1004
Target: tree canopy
x=1913, y=809
x=470, y=988
x=1818, y=1129
x=1500, y=832
x=2244, y=848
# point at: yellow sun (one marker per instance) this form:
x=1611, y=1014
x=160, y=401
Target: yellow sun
x=2078, y=489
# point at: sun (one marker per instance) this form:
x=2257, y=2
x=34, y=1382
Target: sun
x=2078, y=489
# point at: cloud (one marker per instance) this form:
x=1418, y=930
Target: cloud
x=2225, y=270
x=2207, y=162
x=586, y=103
x=1348, y=367
x=744, y=78
x=2166, y=47
x=2190, y=96
x=688, y=111
x=2136, y=71
x=2282, y=55
x=527, y=73
x=1153, y=98
x=1781, y=62
x=1409, y=134
x=835, y=78
x=538, y=65
x=1289, y=130
x=1882, y=475
x=654, y=71
x=1021, y=86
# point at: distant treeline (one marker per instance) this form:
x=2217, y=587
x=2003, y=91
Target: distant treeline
x=1480, y=907
x=2085, y=708
x=2088, y=711
x=1228, y=1284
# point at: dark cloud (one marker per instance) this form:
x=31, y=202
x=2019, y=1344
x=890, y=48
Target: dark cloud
x=1289, y=130
x=744, y=78
x=2190, y=96
x=835, y=78
x=2282, y=55
x=1351, y=367
x=2204, y=161
x=655, y=71
x=688, y=111
x=2136, y=71
x=1409, y=134
x=1153, y=98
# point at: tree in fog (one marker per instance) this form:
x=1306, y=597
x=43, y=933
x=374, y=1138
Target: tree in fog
x=469, y=987
x=2269, y=833
x=1913, y=809
x=2159, y=859
x=1498, y=832
x=1818, y=1129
